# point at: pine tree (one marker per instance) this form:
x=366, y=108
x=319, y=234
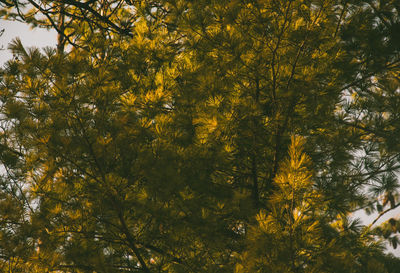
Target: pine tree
x=299, y=234
x=155, y=138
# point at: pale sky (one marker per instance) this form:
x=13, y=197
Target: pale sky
x=29, y=37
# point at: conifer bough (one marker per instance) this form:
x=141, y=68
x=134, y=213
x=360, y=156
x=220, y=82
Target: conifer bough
x=201, y=136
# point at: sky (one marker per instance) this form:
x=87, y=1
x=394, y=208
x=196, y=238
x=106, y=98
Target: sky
x=41, y=38
x=29, y=37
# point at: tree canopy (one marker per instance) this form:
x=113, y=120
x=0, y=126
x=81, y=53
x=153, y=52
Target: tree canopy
x=201, y=136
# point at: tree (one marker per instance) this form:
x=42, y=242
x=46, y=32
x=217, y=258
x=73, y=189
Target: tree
x=161, y=146
x=299, y=235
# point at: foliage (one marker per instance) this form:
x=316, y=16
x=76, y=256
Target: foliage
x=155, y=137
x=299, y=235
